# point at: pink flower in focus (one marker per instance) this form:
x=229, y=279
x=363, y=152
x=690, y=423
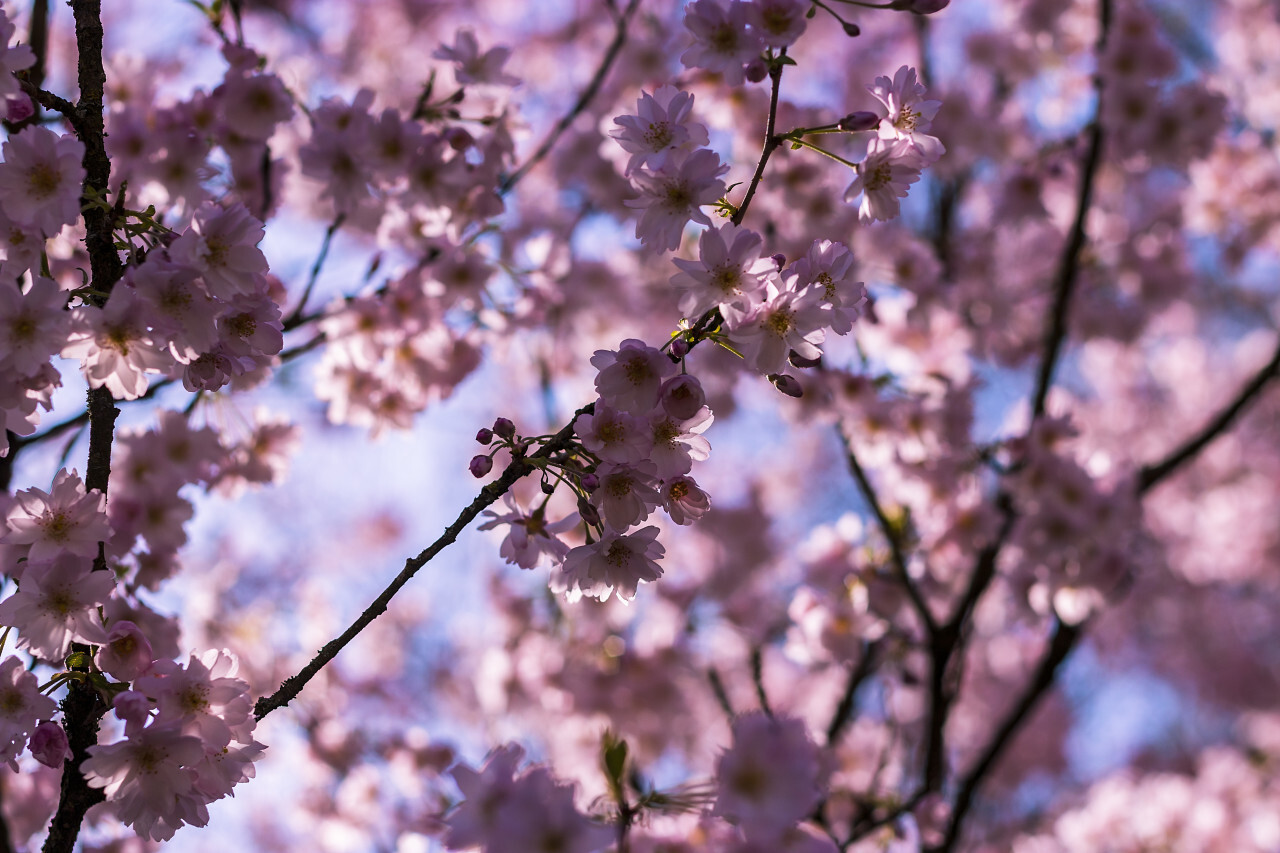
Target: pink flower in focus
x=627, y=493
x=56, y=603
x=828, y=268
x=659, y=128
x=49, y=745
x=222, y=244
x=683, y=500
x=682, y=396
x=787, y=321
x=729, y=271
x=147, y=779
x=630, y=378
x=904, y=114
x=64, y=519
x=615, y=563
x=883, y=178
x=673, y=196
x=613, y=435
x=115, y=347
x=530, y=537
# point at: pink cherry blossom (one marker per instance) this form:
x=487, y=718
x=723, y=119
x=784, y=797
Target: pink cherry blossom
x=22, y=706
x=673, y=196
x=660, y=126
x=723, y=41
x=64, y=519
x=41, y=179
x=615, y=564
x=57, y=603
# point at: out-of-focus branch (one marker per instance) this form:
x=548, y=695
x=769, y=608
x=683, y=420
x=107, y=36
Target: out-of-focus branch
x=1064, y=640
x=584, y=99
x=518, y=468
x=295, y=316
x=844, y=709
x=1069, y=265
x=1152, y=475
x=890, y=532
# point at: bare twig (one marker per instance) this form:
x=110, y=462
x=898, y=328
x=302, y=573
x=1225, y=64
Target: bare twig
x=519, y=467
x=1069, y=266
x=1151, y=475
x=584, y=99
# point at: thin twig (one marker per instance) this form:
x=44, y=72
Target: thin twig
x=1069, y=266
x=722, y=695
x=295, y=317
x=771, y=140
x=887, y=528
x=1064, y=640
x=844, y=709
x=1151, y=475
x=757, y=678
x=584, y=99
x=519, y=467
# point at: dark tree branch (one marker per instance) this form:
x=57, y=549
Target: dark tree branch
x=771, y=140
x=1069, y=266
x=857, y=675
x=1152, y=475
x=83, y=707
x=519, y=467
x=584, y=100
x=1064, y=640
x=887, y=528
x=296, y=315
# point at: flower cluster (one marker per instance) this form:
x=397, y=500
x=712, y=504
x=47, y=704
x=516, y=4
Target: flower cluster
x=505, y=812
x=188, y=742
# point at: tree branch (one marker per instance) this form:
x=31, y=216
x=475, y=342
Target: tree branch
x=519, y=467
x=584, y=99
x=1061, y=644
x=1069, y=266
x=1152, y=475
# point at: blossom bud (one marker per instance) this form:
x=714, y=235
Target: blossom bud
x=679, y=348
x=19, y=108
x=589, y=514
x=484, y=435
x=924, y=7
x=861, y=120
x=788, y=385
x=797, y=360
x=779, y=259
x=481, y=465
x=682, y=397
x=49, y=744
x=851, y=29
x=757, y=70
x=590, y=482
x=504, y=428
x=459, y=139
x=548, y=487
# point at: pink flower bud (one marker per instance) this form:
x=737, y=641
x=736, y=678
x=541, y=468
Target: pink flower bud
x=49, y=744
x=132, y=707
x=481, y=465
x=861, y=120
x=682, y=397
x=485, y=435
x=19, y=108
x=679, y=348
x=590, y=482
x=548, y=487
x=757, y=70
x=589, y=514
x=504, y=428
x=127, y=653
x=788, y=385
x=797, y=360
